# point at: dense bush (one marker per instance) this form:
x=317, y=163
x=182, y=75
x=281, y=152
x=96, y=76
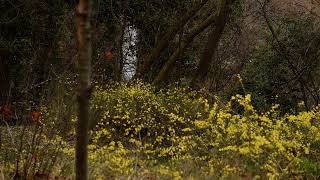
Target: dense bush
x=286, y=72
x=140, y=112
x=141, y=132
x=183, y=133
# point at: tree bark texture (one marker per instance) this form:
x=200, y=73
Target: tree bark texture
x=84, y=91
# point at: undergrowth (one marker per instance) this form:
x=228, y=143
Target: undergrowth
x=139, y=132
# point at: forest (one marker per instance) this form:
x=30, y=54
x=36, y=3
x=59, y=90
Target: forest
x=159, y=89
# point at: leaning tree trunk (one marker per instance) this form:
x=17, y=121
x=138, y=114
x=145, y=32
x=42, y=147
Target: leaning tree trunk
x=84, y=91
x=213, y=41
x=165, y=40
x=163, y=74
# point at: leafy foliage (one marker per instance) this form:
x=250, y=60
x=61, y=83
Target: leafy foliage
x=287, y=71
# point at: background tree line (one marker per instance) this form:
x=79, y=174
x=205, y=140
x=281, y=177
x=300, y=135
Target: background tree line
x=272, y=45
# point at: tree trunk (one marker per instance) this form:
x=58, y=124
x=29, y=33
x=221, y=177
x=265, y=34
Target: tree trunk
x=163, y=43
x=119, y=54
x=84, y=91
x=162, y=75
x=213, y=42
x=4, y=76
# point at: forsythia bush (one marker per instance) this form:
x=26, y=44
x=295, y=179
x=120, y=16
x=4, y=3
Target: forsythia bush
x=176, y=134
x=139, y=132
x=266, y=145
x=140, y=114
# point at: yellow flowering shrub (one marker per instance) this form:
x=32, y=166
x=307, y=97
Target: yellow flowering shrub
x=178, y=132
x=139, y=113
x=261, y=143
x=139, y=132
x=33, y=148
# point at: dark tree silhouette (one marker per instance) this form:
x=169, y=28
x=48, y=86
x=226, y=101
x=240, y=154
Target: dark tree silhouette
x=84, y=91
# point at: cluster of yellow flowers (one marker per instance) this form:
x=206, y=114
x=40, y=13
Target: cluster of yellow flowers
x=268, y=144
x=176, y=127
x=141, y=132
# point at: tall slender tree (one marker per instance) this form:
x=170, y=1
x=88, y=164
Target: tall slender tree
x=84, y=91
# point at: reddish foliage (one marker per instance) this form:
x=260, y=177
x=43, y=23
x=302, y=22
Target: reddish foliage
x=35, y=116
x=108, y=56
x=6, y=112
